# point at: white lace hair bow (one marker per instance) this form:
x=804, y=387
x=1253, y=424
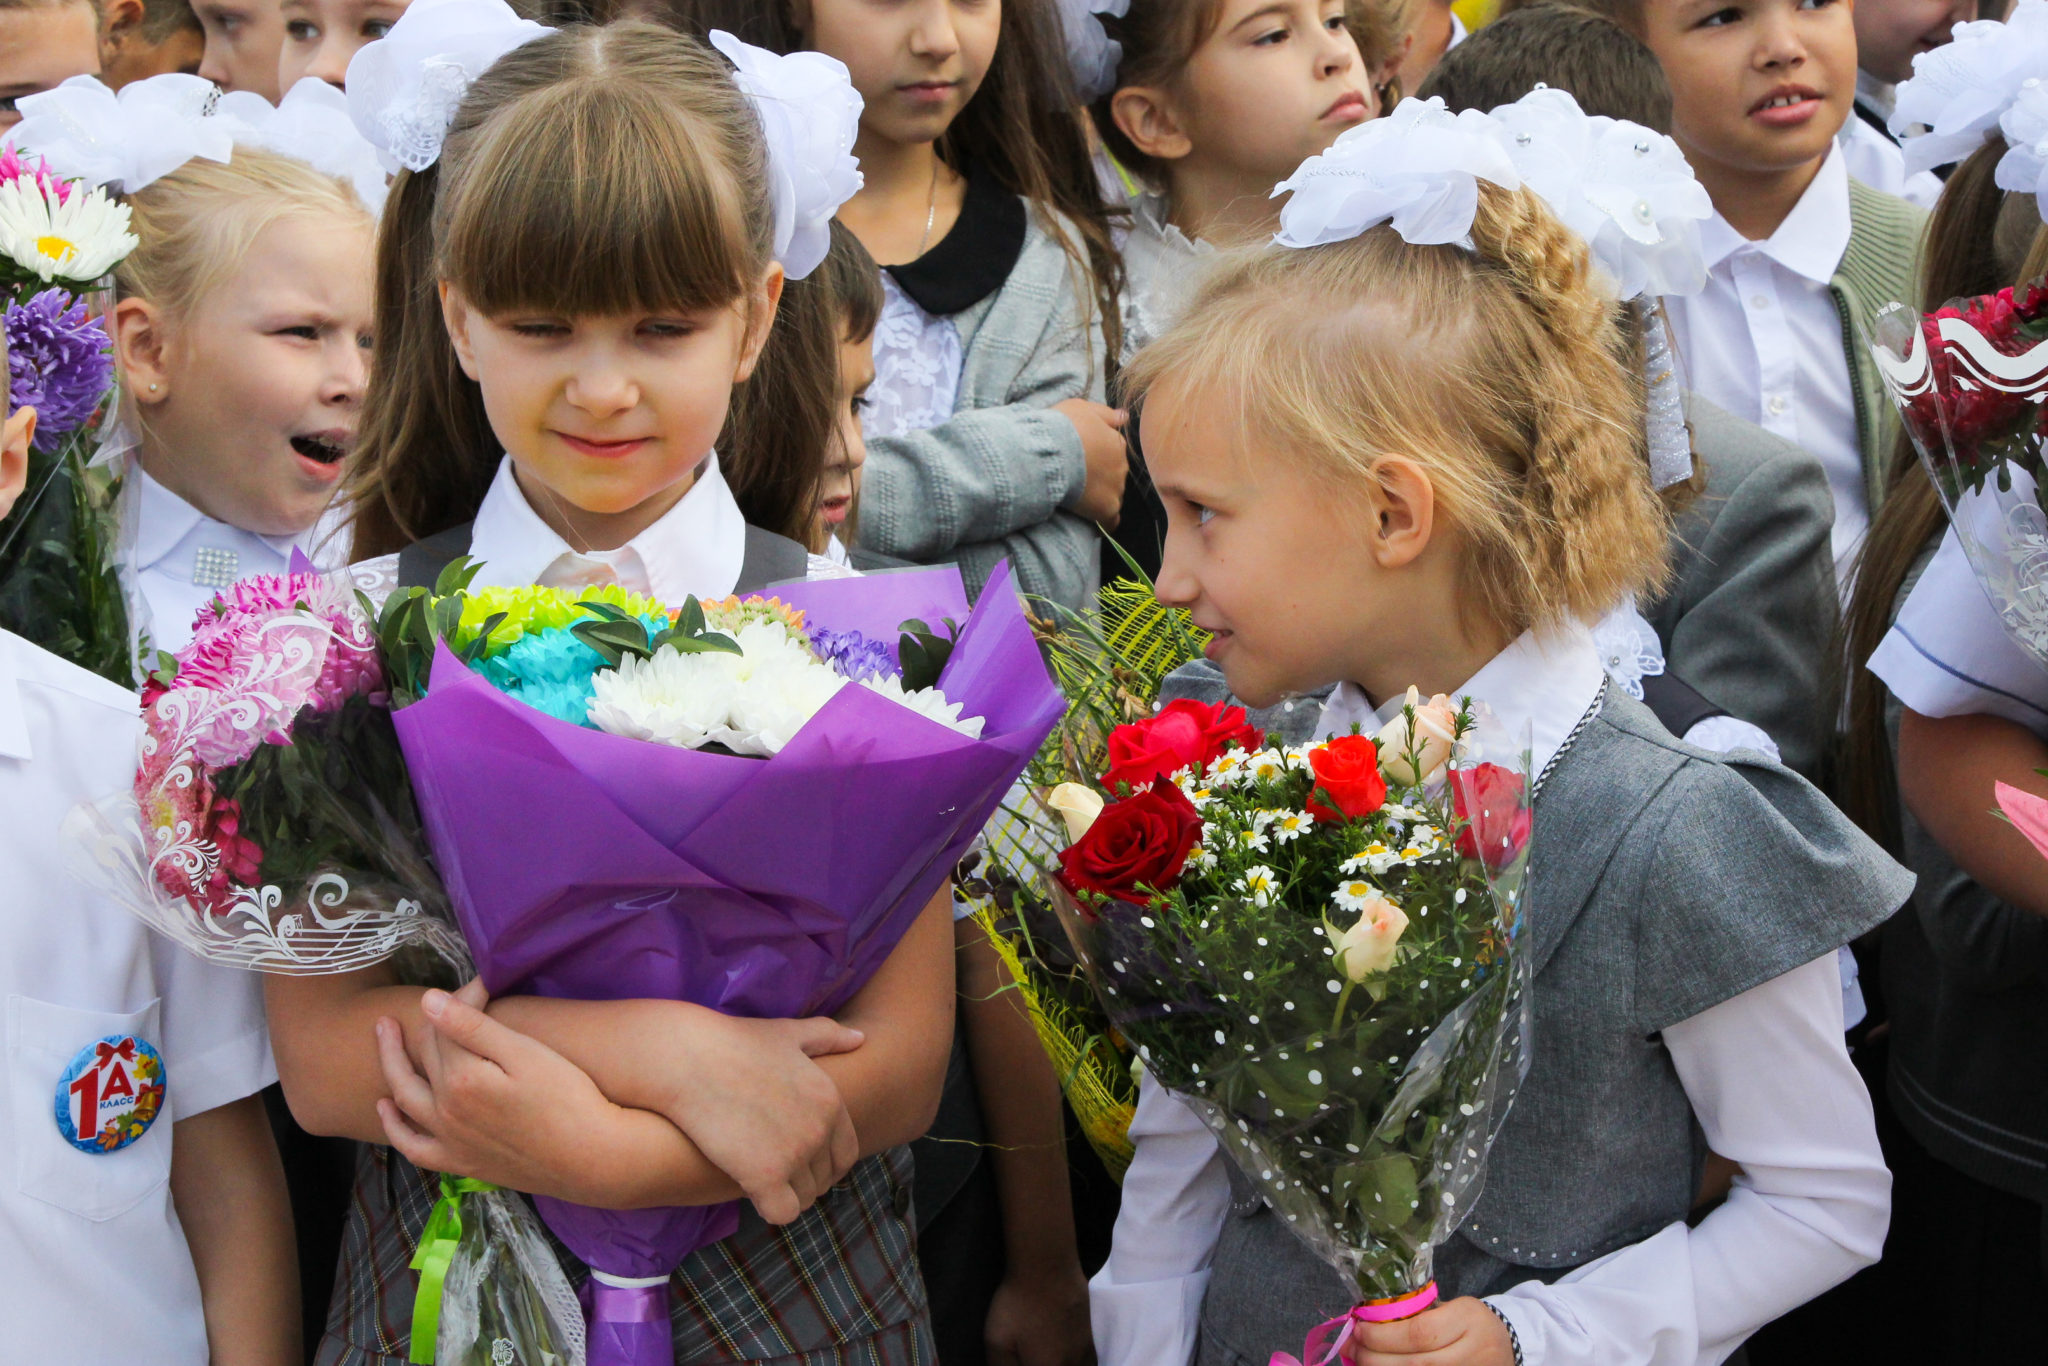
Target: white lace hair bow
x=1092, y=55
x=1959, y=91
x=2024, y=167
x=404, y=88
x=1417, y=169
x=311, y=124
x=128, y=140
x=810, y=116
x=1626, y=189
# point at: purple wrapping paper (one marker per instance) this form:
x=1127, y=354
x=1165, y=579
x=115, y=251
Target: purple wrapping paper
x=594, y=867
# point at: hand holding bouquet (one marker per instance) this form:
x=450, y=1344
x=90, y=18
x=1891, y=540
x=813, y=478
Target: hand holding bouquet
x=1315, y=947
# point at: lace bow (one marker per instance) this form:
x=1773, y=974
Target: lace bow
x=311, y=124
x=128, y=140
x=810, y=115
x=1417, y=169
x=403, y=89
x=2024, y=167
x=1092, y=55
x=1957, y=93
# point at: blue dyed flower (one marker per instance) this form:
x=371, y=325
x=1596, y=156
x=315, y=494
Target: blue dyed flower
x=855, y=656
x=58, y=362
x=549, y=670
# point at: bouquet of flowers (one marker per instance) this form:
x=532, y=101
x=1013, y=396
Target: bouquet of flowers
x=1316, y=948
x=1969, y=380
x=59, y=585
x=744, y=804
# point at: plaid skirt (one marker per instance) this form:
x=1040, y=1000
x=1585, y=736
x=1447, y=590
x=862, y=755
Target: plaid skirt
x=839, y=1287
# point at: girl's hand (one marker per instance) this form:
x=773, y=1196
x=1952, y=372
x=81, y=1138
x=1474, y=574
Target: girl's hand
x=1108, y=456
x=761, y=1111
x=488, y=1102
x=1457, y=1333
x=1040, y=1320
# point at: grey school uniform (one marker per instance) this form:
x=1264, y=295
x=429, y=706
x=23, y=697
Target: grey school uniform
x=1752, y=608
x=1664, y=881
x=991, y=483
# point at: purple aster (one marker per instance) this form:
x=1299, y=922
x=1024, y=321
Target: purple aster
x=855, y=656
x=58, y=362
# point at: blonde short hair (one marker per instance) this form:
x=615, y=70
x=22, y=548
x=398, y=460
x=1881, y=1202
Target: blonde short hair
x=1497, y=369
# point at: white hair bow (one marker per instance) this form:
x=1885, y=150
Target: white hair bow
x=404, y=88
x=810, y=116
x=1418, y=169
x=311, y=124
x=2024, y=167
x=1092, y=55
x=85, y=131
x=1959, y=91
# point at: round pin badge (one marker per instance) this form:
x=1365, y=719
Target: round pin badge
x=110, y=1094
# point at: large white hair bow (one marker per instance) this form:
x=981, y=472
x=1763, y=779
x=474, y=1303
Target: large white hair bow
x=2024, y=167
x=1092, y=55
x=126, y=141
x=1418, y=168
x=1959, y=91
x=1626, y=189
x=311, y=124
x=404, y=88
x=810, y=116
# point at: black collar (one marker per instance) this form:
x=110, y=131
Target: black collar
x=974, y=257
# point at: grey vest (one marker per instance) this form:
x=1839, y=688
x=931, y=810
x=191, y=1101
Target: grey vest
x=768, y=559
x=1663, y=881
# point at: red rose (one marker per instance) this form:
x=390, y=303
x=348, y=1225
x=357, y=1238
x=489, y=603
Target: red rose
x=1184, y=733
x=1348, y=773
x=1143, y=841
x=1488, y=799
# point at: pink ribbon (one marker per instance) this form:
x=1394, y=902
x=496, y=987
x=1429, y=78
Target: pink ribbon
x=1326, y=1340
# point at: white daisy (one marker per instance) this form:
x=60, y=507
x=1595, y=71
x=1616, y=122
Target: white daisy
x=1254, y=839
x=1289, y=826
x=1259, y=883
x=79, y=240
x=1352, y=894
x=1228, y=768
x=1267, y=765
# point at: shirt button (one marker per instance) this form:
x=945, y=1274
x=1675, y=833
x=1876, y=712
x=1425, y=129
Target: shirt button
x=900, y=1202
x=1777, y=405
x=1759, y=301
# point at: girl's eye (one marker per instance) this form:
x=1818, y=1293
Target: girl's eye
x=373, y=29
x=304, y=331
x=1203, y=515
x=862, y=403
x=1273, y=39
x=668, y=329
x=1721, y=18
x=301, y=31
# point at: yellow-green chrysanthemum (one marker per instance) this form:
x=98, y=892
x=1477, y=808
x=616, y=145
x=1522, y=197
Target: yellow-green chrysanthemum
x=540, y=609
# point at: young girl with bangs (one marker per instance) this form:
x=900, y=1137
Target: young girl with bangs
x=987, y=437
x=556, y=369
x=1389, y=465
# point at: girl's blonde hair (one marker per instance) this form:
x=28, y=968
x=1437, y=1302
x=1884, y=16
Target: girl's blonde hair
x=1496, y=369
x=594, y=171
x=194, y=226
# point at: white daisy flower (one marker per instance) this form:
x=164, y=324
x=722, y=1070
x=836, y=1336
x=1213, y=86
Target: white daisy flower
x=1352, y=894
x=1259, y=883
x=1229, y=767
x=1254, y=839
x=1202, y=858
x=1289, y=826
x=79, y=240
x=1267, y=765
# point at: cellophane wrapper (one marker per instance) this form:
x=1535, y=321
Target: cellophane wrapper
x=1363, y=1112
x=1969, y=381
x=505, y=1298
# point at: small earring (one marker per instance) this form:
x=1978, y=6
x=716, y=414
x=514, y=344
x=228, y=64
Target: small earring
x=152, y=388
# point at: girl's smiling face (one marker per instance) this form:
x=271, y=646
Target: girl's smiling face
x=608, y=418
x=916, y=63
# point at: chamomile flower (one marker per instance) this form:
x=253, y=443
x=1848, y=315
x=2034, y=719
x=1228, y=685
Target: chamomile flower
x=1375, y=859
x=78, y=239
x=1266, y=765
x=1288, y=826
x=1352, y=894
x=1229, y=767
x=1202, y=858
x=1259, y=883
x=1253, y=839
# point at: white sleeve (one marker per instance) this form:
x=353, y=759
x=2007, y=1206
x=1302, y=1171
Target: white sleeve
x=1948, y=654
x=216, y=1043
x=1146, y=1301
x=1772, y=1086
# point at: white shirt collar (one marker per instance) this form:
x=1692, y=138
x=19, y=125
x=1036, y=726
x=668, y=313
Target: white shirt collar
x=694, y=550
x=1539, y=686
x=1878, y=96
x=1150, y=212
x=14, y=738
x=165, y=521
x=1810, y=241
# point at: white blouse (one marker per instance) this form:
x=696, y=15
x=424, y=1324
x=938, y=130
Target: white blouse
x=918, y=359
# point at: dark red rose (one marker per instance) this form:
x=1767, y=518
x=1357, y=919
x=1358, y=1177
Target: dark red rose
x=1184, y=733
x=1348, y=774
x=1488, y=799
x=1142, y=841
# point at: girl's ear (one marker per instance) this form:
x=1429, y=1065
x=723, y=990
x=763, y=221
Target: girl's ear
x=142, y=348
x=16, y=433
x=455, y=314
x=1404, y=512
x=761, y=309
x=1147, y=116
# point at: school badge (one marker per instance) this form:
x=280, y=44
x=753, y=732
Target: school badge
x=110, y=1094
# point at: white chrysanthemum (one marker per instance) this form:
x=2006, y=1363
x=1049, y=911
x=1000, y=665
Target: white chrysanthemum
x=782, y=692
x=1260, y=884
x=1289, y=826
x=927, y=702
x=78, y=241
x=671, y=699
x=1353, y=893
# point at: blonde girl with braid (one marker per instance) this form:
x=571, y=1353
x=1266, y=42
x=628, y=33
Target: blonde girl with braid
x=1390, y=463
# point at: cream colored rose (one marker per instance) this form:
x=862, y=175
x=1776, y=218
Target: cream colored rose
x=1369, y=946
x=1436, y=731
x=1079, y=805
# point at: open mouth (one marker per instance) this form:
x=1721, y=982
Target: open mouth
x=321, y=449
x=1787, y=104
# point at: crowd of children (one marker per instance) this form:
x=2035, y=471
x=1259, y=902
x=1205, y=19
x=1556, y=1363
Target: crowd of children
x=1234, y=292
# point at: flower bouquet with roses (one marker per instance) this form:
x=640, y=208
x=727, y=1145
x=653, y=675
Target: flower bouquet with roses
x=1315, y=947
x=59, y=585
x=1970, y=381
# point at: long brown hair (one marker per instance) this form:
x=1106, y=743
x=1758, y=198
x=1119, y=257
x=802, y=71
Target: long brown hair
x=784, y=420
x=1024, y=126
x=1976, y=241
x=1497, y=369
x=592, y=171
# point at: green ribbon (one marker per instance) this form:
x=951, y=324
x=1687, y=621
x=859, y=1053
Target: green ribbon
x=438, y=1241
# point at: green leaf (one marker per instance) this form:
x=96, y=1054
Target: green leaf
x=690, y=621
x=710, y=643
x=613, y=640
x=605, y=611
x=479, y=647
x=456, y=577
x=1383, y=1190
x=923, y=652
